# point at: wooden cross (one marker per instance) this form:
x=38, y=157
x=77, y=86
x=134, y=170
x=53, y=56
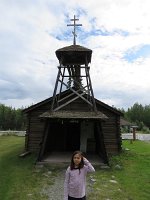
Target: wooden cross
x=74, y=32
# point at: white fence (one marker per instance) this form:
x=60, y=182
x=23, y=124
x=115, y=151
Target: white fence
x=18, y=133
x=129, y=136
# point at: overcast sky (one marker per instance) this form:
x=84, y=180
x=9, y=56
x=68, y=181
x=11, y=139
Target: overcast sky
x=117, y=31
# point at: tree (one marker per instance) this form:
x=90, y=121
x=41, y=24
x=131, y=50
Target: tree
x=11, y=118
x=139, y=114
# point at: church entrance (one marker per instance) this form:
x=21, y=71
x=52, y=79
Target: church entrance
x=63, y=136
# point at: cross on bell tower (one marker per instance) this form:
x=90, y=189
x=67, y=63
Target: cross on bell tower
x=74, y=32
x=73, y=74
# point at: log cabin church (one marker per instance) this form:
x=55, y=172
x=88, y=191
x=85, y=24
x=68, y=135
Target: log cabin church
x=73, y=119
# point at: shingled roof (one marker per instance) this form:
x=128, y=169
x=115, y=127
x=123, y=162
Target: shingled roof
x=74, y=48
x=74, y=115
x=74, y=54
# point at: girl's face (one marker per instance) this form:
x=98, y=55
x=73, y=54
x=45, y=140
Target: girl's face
x=77, y=159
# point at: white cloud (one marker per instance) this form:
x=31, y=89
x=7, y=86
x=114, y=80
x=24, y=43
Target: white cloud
x=31, y=32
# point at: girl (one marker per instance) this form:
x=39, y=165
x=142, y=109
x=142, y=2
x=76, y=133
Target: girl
x=75, y=178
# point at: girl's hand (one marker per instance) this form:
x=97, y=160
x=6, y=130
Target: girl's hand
x=84, y=159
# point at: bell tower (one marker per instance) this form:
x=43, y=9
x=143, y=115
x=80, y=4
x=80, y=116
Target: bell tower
x=73, y=121
x=73, y=75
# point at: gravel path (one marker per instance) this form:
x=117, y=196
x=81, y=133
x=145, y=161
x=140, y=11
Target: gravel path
x=56, y=190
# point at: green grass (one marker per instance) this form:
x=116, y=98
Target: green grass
x=132, y=179
x=21, y=180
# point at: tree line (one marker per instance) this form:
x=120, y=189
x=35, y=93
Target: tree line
x=139, y=115
x=14, y=119
x=11, y=118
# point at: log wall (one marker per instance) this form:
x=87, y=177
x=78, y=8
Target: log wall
x=35, y=128
x=110, y=127
x=111, y=131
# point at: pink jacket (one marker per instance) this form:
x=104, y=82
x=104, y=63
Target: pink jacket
x=75, y=182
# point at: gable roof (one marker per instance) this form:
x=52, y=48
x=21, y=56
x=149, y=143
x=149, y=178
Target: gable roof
x=33, y=107
x=113, y=109
x=48, y=100
x=124, y=122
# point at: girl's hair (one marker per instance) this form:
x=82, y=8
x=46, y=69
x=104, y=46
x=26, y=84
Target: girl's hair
x=72, y=165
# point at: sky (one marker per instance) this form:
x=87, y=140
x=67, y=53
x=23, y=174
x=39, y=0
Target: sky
x=117, y=31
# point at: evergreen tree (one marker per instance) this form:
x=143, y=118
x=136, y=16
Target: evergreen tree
x=11, y=118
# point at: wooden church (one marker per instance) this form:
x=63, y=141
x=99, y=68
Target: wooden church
x=72, y=119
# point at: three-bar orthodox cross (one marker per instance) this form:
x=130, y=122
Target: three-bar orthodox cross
x=74, y=32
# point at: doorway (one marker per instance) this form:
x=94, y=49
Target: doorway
x=63, y=136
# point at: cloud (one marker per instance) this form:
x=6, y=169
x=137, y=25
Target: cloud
x=137, y=52
x=117, y=31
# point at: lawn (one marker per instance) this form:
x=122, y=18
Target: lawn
x=19, y=178
x=129, y=175
x=127, y=179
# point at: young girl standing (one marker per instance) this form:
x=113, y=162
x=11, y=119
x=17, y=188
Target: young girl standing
x=75, y=178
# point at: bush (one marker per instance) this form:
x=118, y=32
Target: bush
x=145, y=130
